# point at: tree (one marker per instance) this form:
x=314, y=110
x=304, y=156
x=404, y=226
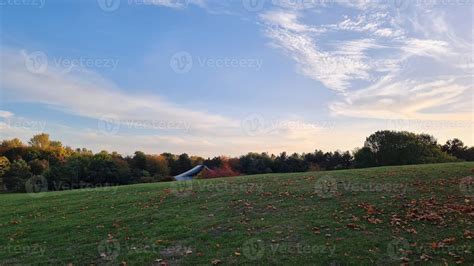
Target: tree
x=225, y=170
x=102, y=169
x=401, y=148
x=40, y=141
x=4, y=165
x=255, y=163
x=469, y=154
x=55, y=144
x=38, y=167
x=4, y=168
x=16, y=177
x=139, y=161
x=183, y=163
x=364, y=158
x=157, y=165
x=12, y=143
x=455, y=147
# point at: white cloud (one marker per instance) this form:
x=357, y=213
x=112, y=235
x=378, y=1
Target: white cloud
x=335, y=68
x=5, y=114
x=87, y=94
x=381, y=45
x=406, y=99
x=427, y=48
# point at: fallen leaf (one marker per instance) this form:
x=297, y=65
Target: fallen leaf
x=216, y=262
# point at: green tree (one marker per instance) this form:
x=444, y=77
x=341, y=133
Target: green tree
x=16, y=177
x=139, y=160
x=364, y=158
x=38, y=167
x=401, y=148
x=455, y=147
x=184, y=163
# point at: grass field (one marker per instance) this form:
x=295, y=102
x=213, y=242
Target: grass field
x=386, y=215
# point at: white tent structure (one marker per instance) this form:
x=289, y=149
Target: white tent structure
x=188, y=175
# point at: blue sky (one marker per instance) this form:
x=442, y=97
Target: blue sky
x=228, y=77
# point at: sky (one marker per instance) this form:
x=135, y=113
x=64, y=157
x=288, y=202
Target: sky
x=228, y=77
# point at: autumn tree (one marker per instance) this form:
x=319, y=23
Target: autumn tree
x=12, y=143
x=4, y=168
x=157, y=166
x=40, y=141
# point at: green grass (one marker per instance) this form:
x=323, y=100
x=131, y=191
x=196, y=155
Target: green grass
x=385, y=215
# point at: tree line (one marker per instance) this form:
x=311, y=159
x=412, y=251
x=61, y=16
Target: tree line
x=64, y=168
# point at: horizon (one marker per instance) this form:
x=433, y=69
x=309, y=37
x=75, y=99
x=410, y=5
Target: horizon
x=26, y=143
x=213, y=78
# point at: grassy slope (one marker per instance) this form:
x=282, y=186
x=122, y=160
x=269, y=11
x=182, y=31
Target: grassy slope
x=275, y=218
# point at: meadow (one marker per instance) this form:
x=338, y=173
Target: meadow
x=384, y=215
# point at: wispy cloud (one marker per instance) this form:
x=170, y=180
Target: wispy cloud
x=87, y=94
x=382, y=43
x=334, y=66
x=407, y=99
